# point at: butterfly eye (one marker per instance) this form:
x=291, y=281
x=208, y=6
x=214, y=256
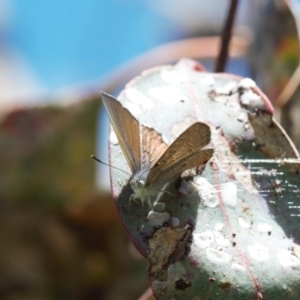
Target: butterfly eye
x=141, y=183
x=134, y=183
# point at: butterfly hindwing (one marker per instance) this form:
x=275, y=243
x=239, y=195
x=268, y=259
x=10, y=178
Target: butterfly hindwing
x=183, y=154
x=153, y=147
x=127, y=130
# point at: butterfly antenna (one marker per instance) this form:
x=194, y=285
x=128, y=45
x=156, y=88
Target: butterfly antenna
x=149, y=170
x=101, y=162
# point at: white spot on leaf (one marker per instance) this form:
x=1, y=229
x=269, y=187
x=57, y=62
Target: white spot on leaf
x=227, y=89
x=246, y=126
x=171, y=76
x=222, y=241
x=217, y=257
x=238, y=268
x=219, y=227
x=258, y=252
x=219, y=236
x=243, y=223
x=158, y=219
x=243, y=117
x=133, y=108
x=207, y=80
x=264, y=227
x=286, y=259
x=206, y=191
x=204, y=239
x=229, y=194
x=246, y=83
x=138, y=98
x=252, y=100
x=296, y=251
x=169, y=94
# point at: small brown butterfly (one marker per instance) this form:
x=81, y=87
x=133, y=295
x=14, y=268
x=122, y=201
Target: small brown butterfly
x=151, y=161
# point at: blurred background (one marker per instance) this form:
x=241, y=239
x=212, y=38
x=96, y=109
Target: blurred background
x=60, y=237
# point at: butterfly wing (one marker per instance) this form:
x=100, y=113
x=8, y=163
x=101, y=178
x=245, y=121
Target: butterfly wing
x=153, y=147
x=127, y=130
x=183, y=154
x=194, y=160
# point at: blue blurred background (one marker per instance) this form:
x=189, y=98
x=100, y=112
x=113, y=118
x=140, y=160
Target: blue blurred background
x=48, y=45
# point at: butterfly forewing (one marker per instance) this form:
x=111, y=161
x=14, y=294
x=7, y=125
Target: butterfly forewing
x=183, y=154
x=194, y=160
x=153, y=147
x=127, y=130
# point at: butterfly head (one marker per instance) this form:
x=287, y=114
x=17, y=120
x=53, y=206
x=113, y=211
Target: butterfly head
x=138, y=181
x=141, y=191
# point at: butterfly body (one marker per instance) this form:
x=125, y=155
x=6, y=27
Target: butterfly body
x=141, y=191
x=153, y=164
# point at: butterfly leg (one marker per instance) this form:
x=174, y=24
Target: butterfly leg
x=143, y=200
x=134, y=198
x=162, y=192
x=131, y=198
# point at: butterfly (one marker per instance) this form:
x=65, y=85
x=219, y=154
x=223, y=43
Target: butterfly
x=153, y=162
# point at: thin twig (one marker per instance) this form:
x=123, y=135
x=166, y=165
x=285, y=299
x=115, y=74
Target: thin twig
x=289, y=89
x=226, y=37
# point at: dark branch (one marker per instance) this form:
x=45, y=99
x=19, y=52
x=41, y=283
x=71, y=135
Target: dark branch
x=226, y=36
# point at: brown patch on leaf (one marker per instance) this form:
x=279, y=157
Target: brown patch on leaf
x=274, y=141
x=162, y=245
x=225, y=286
